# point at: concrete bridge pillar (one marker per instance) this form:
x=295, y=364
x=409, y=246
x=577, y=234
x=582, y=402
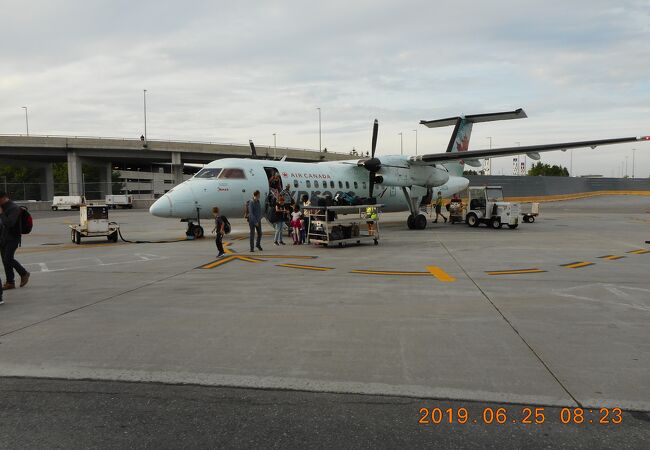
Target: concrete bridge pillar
x=75, y=174
x=47, y=186
x=177, y=168
x=105, y=179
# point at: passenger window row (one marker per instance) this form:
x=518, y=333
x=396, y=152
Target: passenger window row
x=332, y=184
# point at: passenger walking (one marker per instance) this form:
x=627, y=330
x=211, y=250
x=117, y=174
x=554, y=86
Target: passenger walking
x=439, y=208
x=10, y=240
x=296, y=224
x=305, y=204
x=280, y=217
x=254, y=216
x=275, y=183
x=219, y=229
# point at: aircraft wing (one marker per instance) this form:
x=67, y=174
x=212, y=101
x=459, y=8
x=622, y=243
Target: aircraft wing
x=531, y=150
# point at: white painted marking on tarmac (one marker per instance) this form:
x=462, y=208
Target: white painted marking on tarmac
x=61, y=265
x=625, y=296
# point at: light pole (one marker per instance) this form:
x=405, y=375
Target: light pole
x=633, y=152
x=401, y=143
x=320, y=142
x=625, y=166
x=519, y=171
x=144, y=95
x=488, y=163
x=275, y=147
x=571, y=164
x=26, y=120
x=416, y=142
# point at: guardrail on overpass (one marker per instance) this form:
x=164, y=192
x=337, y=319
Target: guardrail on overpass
x=100, y=151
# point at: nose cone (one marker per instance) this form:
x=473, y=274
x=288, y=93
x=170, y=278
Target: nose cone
x=162, y=207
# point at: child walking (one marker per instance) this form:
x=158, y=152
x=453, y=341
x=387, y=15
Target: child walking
x=296, y=225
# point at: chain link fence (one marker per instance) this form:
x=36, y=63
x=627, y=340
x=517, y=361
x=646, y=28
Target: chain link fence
x=39, y=191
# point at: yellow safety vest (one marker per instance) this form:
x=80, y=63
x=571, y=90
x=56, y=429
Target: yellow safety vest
x=371, y=213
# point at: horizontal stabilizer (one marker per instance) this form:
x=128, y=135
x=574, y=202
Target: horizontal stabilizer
x=476, y=118
x=473, y=162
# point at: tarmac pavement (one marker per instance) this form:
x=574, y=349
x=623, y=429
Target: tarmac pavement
x=554, y=313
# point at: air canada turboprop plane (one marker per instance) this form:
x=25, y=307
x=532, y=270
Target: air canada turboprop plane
x=400, y=183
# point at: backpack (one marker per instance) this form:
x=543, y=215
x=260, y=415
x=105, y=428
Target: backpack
x=26, y=221
x=226, y=225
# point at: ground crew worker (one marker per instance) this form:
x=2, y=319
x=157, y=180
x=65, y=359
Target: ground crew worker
x=371, y=215
x=439, y=208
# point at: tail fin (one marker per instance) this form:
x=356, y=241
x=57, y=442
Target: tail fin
x=459, y=141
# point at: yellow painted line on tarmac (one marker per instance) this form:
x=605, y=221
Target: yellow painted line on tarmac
x=227, y=259
x=440, y=274
x=611, y=257
x=515, y=271
x=640, y=251
x=385, y=272
x=54, y=248
x=263, y=256
x=300, y=266
x=577, y=265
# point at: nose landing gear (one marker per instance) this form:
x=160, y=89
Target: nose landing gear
x=194, y=231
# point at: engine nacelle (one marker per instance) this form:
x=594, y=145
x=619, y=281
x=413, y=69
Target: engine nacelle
x=415, y=175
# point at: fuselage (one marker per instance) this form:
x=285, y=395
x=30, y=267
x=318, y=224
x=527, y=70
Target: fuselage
x=228, y=183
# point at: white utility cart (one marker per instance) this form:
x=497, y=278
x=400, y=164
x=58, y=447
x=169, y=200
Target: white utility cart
x=343, y=225
x=93, y=222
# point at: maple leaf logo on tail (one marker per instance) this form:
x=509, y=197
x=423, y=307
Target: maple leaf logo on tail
x=463, y=145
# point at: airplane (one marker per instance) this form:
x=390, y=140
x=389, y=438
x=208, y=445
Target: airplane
x=403, y=183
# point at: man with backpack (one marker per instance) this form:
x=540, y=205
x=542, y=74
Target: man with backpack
x=11, y=221
x=219, y=229
x=253, y=214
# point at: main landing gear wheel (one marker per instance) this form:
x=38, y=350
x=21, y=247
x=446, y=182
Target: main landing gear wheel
x=410, y=222
x=420, y=222
x=472, y=220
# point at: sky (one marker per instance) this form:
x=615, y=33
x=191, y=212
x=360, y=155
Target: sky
x=232, y=71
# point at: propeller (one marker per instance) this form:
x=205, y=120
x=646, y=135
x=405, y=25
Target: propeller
x=372, y=164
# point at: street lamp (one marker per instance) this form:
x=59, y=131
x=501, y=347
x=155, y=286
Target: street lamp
x=401, y=143
x=633, y=152
x=26, y=119
x=488, y=163
x=320, y=145
x=275, y=147
x=144, y=95
x=625, y=166
x=416, y=142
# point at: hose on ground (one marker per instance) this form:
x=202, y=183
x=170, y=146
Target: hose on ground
x=119, y=233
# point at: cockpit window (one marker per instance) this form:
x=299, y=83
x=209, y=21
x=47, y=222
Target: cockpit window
x=208, y=173
x=232, y=174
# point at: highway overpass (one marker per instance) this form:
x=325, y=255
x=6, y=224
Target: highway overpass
x=42, y=151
